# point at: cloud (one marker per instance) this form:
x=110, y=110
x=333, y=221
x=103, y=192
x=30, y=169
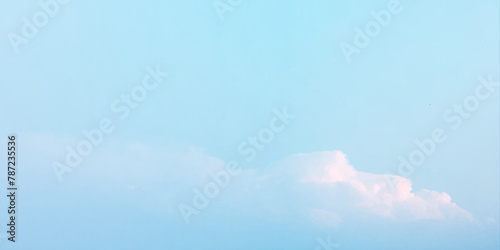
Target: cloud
x=320, y=187
x=326, y=188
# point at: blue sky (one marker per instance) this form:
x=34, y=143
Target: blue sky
x=324, y=174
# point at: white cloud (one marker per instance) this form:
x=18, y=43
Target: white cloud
x=326, y=187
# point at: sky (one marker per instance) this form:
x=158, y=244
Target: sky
x=244, y=124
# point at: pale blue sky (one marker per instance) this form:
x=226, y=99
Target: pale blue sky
x=226, y=77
